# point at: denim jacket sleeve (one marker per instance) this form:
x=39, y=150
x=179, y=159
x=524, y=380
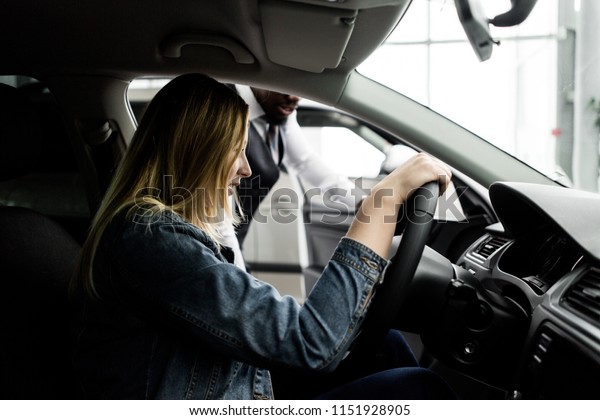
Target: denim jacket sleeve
x=174, y=275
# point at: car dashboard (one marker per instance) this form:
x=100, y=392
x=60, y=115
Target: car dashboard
x=543, y=257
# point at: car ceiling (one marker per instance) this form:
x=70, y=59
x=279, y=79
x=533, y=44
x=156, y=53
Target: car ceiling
x=267, y=41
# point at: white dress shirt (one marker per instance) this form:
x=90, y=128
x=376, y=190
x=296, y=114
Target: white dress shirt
x=299, y=158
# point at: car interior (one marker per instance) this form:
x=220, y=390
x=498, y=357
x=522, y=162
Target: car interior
x=504, y=303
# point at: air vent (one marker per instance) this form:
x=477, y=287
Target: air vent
x=488, y=247
x=584, y=296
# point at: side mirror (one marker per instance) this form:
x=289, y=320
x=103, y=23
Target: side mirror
x=395, y=156
x=477, y=25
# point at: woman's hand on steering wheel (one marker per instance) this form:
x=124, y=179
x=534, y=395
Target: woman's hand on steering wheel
x=375, y=221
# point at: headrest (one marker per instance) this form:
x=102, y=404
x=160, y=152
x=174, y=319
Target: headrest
x=20, y=133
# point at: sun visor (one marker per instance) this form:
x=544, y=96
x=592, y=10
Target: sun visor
x=295, y=31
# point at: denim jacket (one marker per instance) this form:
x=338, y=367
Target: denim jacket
x=175, y=320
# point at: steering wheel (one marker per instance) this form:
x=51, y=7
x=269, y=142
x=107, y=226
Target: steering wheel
x=391, y=293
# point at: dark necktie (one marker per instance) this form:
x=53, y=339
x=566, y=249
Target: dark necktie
x=273, y=141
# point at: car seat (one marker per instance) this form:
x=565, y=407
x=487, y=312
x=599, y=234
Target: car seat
x=37, y=258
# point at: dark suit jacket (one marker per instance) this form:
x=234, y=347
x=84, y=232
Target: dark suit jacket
x=265, y=173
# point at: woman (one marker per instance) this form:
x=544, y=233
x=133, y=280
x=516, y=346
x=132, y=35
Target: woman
x=161, y=313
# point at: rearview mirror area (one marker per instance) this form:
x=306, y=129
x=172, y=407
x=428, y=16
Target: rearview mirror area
x=477, y=26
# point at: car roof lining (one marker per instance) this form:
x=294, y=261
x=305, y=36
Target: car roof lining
x=154, y=40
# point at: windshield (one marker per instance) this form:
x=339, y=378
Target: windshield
x=536, y=97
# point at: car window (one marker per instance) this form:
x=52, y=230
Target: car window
x=534, y=98
x=140, y=93
x=340, y=147
x=345, y=151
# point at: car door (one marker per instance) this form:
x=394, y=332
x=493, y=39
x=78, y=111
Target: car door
x=365, y=155
x=297, y=228
x=350, y=148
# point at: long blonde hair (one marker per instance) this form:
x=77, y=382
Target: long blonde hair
x=179, y=160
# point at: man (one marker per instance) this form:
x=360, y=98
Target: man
x=276, y=142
